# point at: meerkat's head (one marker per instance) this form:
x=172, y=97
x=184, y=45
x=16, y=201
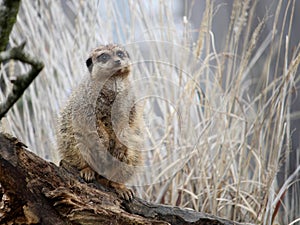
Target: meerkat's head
x=110, y=60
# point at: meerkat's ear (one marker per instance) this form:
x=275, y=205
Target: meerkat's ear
x=89, y=64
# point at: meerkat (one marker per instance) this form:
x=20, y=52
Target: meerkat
x=99, y=128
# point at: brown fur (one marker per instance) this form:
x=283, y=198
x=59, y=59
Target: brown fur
x=100, y=111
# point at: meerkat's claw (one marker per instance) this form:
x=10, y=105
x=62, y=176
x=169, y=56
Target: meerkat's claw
x=122, y=191
x=87, y=174
x=125, y=194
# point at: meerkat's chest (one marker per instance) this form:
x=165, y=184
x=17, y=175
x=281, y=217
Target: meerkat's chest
x=107, y=99
x=108, y=93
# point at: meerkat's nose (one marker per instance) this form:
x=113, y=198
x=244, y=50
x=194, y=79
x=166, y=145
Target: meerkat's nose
x=118, y=62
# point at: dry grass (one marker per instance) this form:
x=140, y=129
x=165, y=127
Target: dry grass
x=217, y=134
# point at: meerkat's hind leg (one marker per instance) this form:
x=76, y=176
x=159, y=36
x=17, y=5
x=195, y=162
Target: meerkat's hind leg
x=88, y=174
x=122, y=191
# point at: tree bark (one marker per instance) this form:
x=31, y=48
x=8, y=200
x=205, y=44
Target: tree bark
x=34, y=191
x=22, y=82
x=8, y=14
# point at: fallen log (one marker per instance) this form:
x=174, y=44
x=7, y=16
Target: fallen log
x=35, y=191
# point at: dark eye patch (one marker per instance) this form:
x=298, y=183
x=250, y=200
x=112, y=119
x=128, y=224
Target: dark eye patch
x=104, y=57
x=120, y=54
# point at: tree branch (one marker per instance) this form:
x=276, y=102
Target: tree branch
x=23, y=81
x=57, y=195
x=8, y=14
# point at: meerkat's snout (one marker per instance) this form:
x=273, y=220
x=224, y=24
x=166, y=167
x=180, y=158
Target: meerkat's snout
x=118, y=62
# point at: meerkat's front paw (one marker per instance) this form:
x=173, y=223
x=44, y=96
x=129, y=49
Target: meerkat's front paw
x=87, y=174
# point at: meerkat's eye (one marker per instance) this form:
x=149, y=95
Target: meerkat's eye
x=104, y=57
x=120, y=54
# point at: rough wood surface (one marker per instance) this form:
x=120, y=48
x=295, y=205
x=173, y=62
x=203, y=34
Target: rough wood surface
x=34, y=191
